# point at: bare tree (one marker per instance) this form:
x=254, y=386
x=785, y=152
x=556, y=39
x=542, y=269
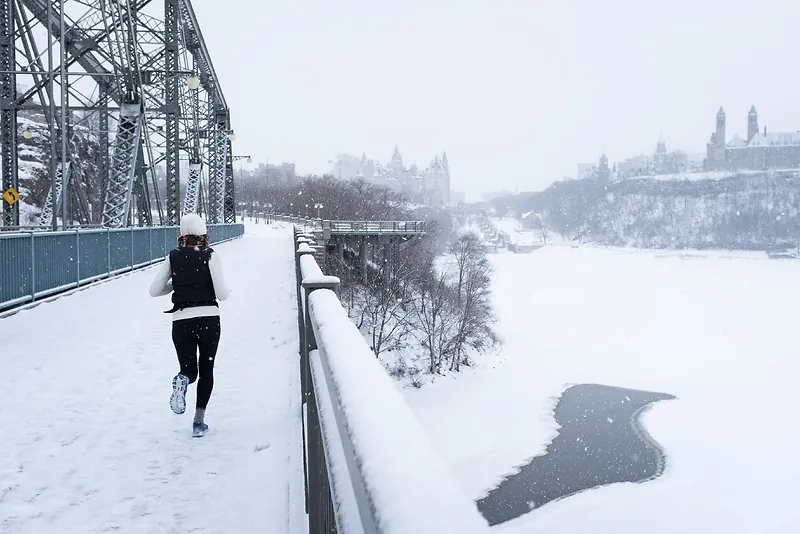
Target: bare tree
x=387, y=318
x=472, y=282
x=340, y=200
x=390, y=293
x=433, y=315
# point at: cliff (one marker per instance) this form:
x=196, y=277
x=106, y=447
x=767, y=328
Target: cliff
x=756, y=210
x=34, y=168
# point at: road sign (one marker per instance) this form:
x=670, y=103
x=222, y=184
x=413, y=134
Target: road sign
x=11, y=196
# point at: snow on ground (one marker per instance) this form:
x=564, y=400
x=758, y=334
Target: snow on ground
x=513, y=228
x=717, y=332
x=709, y=175
x=89, y=441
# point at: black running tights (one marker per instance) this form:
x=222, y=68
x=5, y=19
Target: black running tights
x=189, y=335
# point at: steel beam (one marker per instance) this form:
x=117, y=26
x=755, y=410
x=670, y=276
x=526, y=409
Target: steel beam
x=143, y=206
x=52, y=203
x=8, y=110
x=104, y=163
x=79, y=46
x=172, y=110
x=116, y=208
x=230, y=197
x=197, y=47
x=190, y=201
x=218, y=151
x=132, y=57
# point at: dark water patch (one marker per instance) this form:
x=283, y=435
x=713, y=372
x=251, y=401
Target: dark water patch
x=601, y=441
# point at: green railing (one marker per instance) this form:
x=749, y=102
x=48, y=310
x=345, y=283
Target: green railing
x=34, y=265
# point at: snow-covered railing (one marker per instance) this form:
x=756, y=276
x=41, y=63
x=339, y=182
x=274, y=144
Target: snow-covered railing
x=308, y=223
x=370, y=468
x=35, y=265
x=376, y=227
x=354, y=227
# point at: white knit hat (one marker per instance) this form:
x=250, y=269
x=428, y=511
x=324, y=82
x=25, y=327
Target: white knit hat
x=193, y=224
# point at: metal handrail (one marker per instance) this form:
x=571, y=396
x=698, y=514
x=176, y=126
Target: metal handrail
x=353, y=227
x=356, y=485
x=35, y=264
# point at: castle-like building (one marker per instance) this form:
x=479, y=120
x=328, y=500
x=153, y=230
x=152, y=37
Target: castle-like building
x=430, y=186
x=761, y=150
x=659, y=162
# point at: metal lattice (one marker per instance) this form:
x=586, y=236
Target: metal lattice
x=8, y=112
x=116, y=54
x=218, y=152
x=230, y=197
x=192, y=198
x=51, y=204
x=123, y=167
x=172, y=109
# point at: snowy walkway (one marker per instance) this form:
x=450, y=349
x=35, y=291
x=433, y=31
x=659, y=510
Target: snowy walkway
x=89, y=442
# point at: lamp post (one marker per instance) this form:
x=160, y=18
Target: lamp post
x=319, y=207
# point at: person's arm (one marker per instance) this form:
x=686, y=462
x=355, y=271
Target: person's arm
x=162, y=285
x=221, y=289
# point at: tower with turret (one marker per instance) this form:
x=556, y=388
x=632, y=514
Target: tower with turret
x=603, y=172
x=661, y=147
x=436, y=182
x=396, y=164
x=752, y=124
x=720, y=137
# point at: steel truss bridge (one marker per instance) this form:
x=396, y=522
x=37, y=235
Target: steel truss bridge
x=136, y=77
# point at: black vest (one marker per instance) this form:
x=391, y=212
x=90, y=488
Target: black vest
x=191, y=278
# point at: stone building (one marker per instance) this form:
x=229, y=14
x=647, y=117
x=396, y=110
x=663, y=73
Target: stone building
x=760, y=150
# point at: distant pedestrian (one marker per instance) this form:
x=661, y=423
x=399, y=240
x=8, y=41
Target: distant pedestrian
x=193, y=274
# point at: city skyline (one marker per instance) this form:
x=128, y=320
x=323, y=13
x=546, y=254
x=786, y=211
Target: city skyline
x=517, y=92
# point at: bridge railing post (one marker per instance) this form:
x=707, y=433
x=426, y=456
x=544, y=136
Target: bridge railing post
x=301, y=247
x=300, y=251
x=321, y=512
x=309, y=285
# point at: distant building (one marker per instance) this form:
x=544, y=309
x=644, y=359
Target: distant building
x=430, y=186
x=586, y=170
x=282, y=173
x=760, y=150
x=599, y=170
x=286, y=169
x=635, y=166
x=346, y=166
x=603, y=172
x=660, y=162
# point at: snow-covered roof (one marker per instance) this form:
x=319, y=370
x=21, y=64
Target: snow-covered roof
x=776, y=139
x=736, y=142
x=396, y=155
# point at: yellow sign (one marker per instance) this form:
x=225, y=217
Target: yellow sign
x=11, y=196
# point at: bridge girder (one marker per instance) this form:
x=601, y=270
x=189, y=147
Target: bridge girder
x=116, y=53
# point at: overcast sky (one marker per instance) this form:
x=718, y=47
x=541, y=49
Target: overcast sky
x=516, y=91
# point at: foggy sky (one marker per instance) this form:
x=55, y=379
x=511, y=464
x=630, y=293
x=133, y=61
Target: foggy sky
x=516, y=91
